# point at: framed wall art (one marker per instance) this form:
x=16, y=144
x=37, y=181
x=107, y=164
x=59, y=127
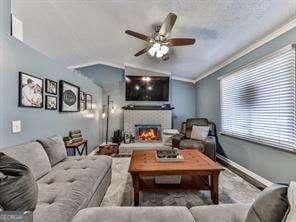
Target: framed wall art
x=51, y=102
x=82, y=105
x=82, y=96
x=30, y=91
x=51, y=87
x=82, y=101
x=69, y=97
x=88, y=99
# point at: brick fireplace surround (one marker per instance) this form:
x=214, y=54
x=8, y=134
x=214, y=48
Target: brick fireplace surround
x=132, y=118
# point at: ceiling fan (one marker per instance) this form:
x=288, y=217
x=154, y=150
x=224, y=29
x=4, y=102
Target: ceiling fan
x=159, y=45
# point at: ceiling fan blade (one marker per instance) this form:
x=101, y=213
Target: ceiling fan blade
x=181, y=41
x=138, y=35
x=168, y=24
x=141, y=52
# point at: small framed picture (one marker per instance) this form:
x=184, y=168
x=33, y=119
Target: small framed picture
x=30, y=91
x=51, y=87
x=127, y=138
x=88, y=99
x=69, y=97
x=82, y=105
x=51, y=102
x=82, y=96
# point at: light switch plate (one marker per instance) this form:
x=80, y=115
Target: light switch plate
x=16, y=126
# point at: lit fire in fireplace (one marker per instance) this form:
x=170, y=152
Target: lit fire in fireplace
x=148, y=134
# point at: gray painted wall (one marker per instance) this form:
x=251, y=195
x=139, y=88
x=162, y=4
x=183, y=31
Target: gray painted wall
x=112, y=81
x=184, y=101
x=275, y=165
x=15, y=57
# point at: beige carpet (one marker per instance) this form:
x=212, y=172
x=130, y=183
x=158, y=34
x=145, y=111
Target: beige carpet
x=232, y=188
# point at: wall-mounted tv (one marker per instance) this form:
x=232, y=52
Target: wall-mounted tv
x=147, y=88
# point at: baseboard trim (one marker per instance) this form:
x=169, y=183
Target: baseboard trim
x=248, y=175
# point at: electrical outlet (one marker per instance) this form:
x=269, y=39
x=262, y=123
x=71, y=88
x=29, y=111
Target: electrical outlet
x=16, y=126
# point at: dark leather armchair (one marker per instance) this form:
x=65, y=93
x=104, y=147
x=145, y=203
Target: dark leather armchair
x=207, y=146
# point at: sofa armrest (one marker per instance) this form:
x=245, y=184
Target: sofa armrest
x=210, y=147
x=176, y=139
x=221, y=213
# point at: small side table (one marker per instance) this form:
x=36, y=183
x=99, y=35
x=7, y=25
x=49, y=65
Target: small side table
x=75, y=146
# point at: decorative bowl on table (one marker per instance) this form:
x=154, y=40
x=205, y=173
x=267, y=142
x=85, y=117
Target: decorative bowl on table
x=172, y=155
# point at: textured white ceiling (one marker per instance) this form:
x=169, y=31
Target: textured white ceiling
x=86, y=31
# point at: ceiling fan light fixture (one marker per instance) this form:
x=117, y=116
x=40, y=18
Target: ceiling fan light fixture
x=164, y=49
x=159, y=45
x=158, y=50
x=159, y=54
x=152, y=51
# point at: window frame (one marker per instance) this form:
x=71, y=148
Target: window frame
x=250, y=65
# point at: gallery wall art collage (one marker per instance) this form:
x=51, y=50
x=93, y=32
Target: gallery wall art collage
x=70, y=97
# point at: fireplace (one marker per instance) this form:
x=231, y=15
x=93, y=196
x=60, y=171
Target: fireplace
x=145, y=133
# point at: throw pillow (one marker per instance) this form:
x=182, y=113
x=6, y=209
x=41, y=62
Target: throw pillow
x=291, y=216
x=55, y=148
x=199, y=132
x=270, y=206
x=18, y=188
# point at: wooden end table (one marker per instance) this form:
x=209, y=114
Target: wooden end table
x=75, y=146
x=197, y=171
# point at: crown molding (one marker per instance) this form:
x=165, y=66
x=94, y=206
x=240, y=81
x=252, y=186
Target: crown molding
x=183, y=79
x=161, y=71
x=147, y=69
x=285, y=28
x=82, y=65
x=130, y=65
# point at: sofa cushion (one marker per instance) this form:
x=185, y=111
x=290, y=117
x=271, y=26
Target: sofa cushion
x=18, y=188
x=69, y=187
x=221, y=213
x=134, y=214
x=194, y=121
x=55, y=148
x=192, y=144
x=199, y=132
x=270, y=206
x=291, y=216
x=32, y=155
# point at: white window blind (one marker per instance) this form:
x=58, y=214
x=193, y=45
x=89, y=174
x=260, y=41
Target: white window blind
x=258, y=102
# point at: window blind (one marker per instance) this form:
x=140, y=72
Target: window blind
x=258, y=101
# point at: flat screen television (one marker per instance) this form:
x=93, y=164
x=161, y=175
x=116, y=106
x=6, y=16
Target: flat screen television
x=144, y=88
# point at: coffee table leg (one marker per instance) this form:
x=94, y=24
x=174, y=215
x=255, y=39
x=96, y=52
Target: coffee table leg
x=136, y=185
x=215, y=187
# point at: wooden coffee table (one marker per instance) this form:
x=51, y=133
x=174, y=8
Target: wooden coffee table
x=198, y=172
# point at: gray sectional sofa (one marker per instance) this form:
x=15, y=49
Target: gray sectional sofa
x=66, y=187
x=271, y=205
x=72, y=188
x=212, y=213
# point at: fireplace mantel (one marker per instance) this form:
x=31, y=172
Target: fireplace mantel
x=147, y=107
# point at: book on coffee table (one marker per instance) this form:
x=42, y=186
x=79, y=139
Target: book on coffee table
x=172, y=155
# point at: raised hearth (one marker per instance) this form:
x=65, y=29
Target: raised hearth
x=127, y=149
